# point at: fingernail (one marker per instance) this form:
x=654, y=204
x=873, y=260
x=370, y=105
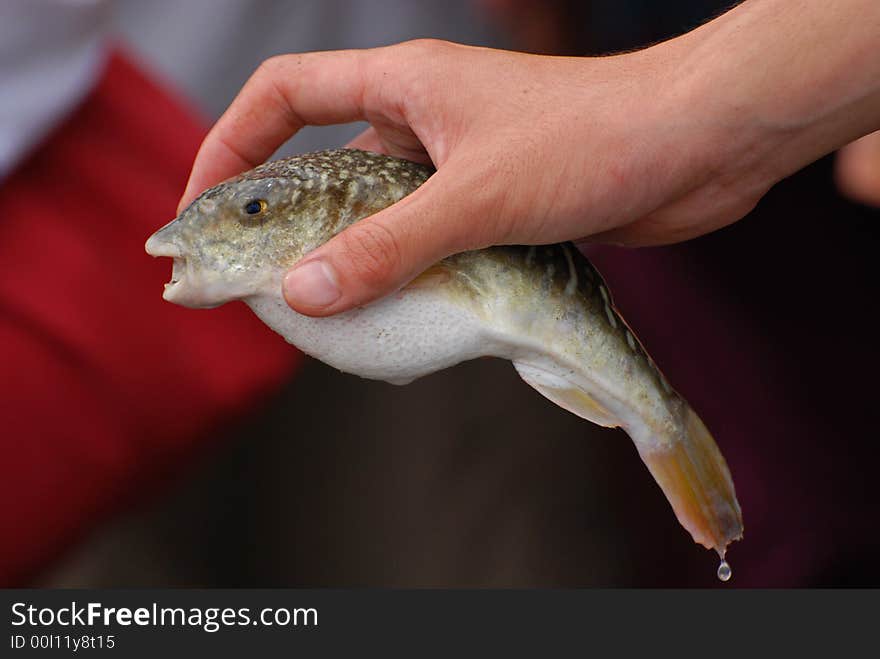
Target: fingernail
x=312, y=284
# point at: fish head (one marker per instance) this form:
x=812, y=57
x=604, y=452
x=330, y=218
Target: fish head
x=234, y=240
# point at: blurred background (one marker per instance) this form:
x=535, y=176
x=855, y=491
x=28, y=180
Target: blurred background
x=150, y=445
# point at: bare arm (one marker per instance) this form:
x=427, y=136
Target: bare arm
x=649, y=147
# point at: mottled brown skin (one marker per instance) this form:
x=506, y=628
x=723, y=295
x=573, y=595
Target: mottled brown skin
x=322, y=193
x=549, y=266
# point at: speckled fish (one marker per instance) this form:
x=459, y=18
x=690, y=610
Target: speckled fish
x=546, y=309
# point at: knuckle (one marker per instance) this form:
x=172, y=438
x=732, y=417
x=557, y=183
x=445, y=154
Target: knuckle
x=271, y=66
x=373, y=253
x=407, y=75
x=269, y=74
x=425, y=47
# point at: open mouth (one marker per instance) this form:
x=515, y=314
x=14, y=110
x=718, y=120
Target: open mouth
x=157, y=247
x=177, y=271
x=189, y=285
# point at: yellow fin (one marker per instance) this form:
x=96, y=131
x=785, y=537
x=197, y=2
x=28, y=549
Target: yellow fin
x=695, y=479
x=568, y=396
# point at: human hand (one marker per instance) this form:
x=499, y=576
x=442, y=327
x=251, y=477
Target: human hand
x=644, y=148
x=528, y=150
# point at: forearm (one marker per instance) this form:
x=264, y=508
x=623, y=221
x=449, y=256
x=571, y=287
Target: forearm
x=787, y=80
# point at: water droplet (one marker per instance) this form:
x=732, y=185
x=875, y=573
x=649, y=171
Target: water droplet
x=724, y=571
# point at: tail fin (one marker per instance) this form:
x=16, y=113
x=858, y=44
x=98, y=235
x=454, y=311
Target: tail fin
x=695, y=479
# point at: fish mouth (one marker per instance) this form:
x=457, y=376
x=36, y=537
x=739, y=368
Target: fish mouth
x=176, y=290
x=177, y=272
x=157, y=247
x=190, y=285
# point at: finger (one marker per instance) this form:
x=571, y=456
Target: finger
x=398, y=141
x=378, y=255
x=368, y=141
x=857, y=170
x=283, y=95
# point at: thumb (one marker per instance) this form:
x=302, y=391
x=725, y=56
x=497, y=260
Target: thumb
x=380, y=254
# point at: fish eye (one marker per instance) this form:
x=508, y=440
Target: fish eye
x=255, y=206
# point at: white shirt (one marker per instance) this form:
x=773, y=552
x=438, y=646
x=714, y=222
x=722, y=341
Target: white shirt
x=51, y=54
x=51, y=51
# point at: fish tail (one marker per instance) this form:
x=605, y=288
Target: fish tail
x=687, y=466
x=696, y=480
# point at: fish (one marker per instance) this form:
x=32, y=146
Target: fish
x=545, y=308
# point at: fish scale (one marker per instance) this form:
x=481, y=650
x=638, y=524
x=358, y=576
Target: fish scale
x=544, y=308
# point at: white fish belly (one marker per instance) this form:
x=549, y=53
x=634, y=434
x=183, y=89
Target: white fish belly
x=403, y=337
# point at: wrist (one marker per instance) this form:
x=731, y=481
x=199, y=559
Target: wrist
x=780, y=84
x=711, y=88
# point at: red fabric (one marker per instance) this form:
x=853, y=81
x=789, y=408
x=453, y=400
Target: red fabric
x=104, y=382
